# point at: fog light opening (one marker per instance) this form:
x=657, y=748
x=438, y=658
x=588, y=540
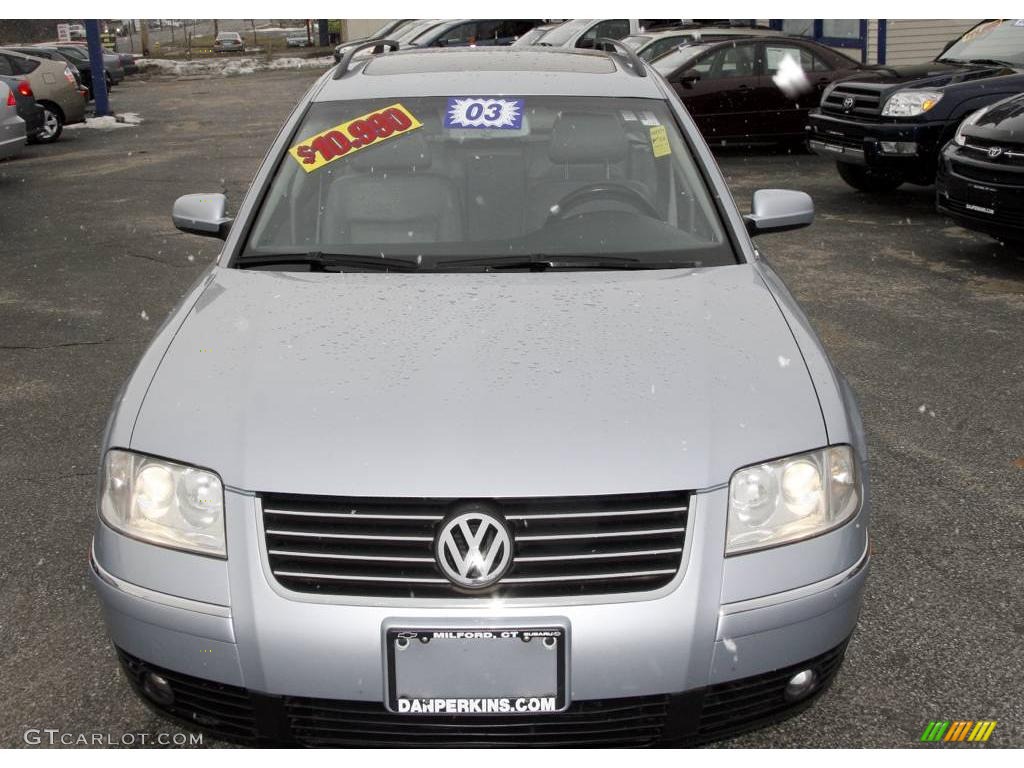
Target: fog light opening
x=157, y=689
x=801, y=685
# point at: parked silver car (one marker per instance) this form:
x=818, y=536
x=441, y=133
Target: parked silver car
x=229, y=42
x=490, y=424
x=12, y=126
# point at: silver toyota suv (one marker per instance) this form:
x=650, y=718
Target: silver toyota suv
x=490, y=425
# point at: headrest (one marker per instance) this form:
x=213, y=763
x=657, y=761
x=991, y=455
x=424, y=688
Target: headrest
x=585, y=137
x=405, y=153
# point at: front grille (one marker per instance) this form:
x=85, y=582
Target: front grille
x=222, y=710
x=989, y=172
x=613, y=722
x=1011, y=155
x=733, y=707
x=562, y=546
x=866, y=101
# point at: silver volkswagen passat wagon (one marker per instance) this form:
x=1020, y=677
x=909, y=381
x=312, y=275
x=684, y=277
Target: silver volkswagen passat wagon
x=489, y=425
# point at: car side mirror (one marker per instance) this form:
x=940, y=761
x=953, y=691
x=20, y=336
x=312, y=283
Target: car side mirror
x=779, y=210
x=689, y=77
x=203, y=214
x=585, y=42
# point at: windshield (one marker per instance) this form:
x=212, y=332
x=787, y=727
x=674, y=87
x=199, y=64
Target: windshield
x=561, y=34
x=438, y=178
x=390, y=28
x=674, y=59
x=635, y=41
x=412, y=32
x=997, y=40
x=74, y=53
x=533, y=36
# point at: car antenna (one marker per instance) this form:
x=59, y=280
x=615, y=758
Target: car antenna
x=342, y=69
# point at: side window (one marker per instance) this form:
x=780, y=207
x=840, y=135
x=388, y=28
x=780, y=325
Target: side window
x=5, y=66
x=731, y=61
x=24, y=66
x=613, y=28
x=487, y=32
x=820, y=64
x=463, y=34
x=774, y=54
x=658, y=47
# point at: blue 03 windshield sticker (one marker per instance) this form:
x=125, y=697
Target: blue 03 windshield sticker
x=469, y=112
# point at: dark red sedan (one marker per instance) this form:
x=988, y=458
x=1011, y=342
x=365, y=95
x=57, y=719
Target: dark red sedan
x=730, y=88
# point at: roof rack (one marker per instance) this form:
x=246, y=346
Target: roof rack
x=632, y=60
x=342, y=69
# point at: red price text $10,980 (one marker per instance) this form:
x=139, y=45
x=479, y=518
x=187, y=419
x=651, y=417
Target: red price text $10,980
x=354, y=135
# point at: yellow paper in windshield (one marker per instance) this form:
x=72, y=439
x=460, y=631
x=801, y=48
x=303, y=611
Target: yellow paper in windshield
x=351, y=136
x=659, y=141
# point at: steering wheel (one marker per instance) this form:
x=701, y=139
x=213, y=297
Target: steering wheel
x=602, y=190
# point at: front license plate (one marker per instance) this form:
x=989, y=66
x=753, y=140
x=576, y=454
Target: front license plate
x=476, y=671
x=981, y=199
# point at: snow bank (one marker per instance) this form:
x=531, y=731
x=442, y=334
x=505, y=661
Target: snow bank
x=230, y=66
x=108, y=122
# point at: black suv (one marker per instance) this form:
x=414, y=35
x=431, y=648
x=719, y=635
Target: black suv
x=980, y=182
x=886, y=125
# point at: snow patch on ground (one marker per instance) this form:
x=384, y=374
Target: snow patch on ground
x=108, y=122
x=230, y=66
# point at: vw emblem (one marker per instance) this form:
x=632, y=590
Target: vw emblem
x=848, y=103
x=994, y=152
x=473, y=548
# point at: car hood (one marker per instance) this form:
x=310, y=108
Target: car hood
x=930, y=74
x=480, y=385
x=1004, y=122
x=934, y=75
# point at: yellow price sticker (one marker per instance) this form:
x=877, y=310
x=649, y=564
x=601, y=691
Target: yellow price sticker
x=352, y=136
x=659, y=141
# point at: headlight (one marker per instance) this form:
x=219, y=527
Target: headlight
x=971, y=119
x=164, y=503
x=790, y=499
x=910, y=103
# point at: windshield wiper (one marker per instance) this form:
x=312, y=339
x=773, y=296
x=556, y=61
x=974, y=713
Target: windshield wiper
x=330, y=262
x=993, y=63
x=542, y=263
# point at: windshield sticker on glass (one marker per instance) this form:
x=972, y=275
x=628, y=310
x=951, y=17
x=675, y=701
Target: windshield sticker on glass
x=628, y=116
x=659, y=141
x=356, y=134
x=649, y=118
x=484, y=113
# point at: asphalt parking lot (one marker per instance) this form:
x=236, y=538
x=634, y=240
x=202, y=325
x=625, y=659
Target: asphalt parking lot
x=925, y=319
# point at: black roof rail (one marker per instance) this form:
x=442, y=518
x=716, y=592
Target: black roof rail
x=632, y=60
x=346, y=59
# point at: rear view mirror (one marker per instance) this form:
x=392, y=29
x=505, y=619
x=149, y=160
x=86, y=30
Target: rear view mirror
x=779, y=210
x=203, y=214
x=689, y=77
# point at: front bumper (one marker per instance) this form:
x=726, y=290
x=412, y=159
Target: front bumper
x=723, y=626
x=981, y=194
x=908, y=147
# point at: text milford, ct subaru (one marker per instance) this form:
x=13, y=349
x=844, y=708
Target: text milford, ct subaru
x=489, y=425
